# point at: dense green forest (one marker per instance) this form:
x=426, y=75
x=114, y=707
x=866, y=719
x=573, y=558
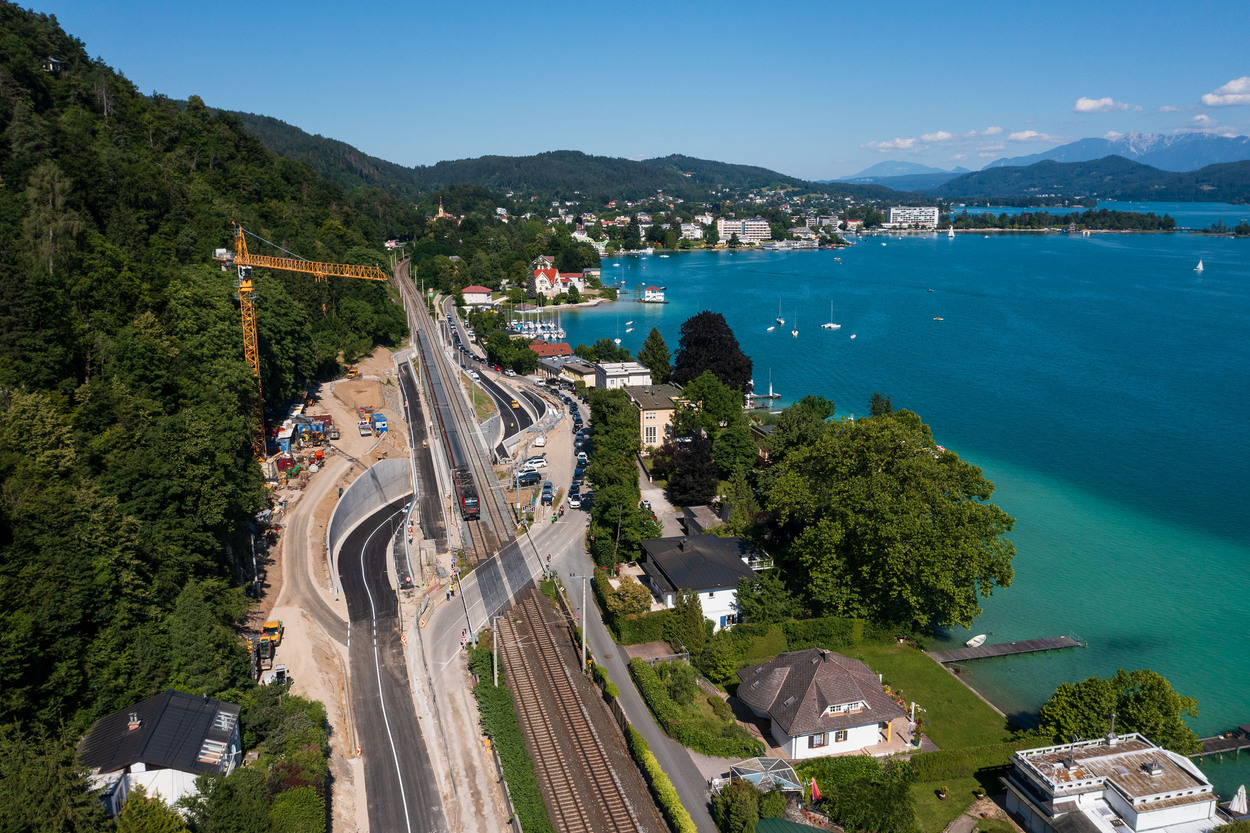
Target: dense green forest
x=1036, y=220
x=126, y=483
x=1112, y=177
x=568, y=174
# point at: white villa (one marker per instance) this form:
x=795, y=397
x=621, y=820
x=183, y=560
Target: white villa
x=705, y=564
x=1115, y=784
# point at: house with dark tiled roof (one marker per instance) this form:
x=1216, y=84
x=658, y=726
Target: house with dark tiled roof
x=821, y=703
x=705, y=564
x=162, y=744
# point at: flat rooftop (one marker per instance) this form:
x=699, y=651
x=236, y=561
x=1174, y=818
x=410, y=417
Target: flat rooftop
x=1134, y=765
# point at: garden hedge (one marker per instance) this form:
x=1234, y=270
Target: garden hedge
x=661, y=787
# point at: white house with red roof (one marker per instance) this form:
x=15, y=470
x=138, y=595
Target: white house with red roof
x=476, y=296
x=653, y=295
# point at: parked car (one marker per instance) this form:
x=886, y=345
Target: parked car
x=575, y=502
x=529, y=478
x=509, y=371
x=540, y=441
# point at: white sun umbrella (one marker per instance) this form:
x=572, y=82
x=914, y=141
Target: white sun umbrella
x=1238, y=805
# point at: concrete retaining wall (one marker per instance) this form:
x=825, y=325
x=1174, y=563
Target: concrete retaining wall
x=384, y=482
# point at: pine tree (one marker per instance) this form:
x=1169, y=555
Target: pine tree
x=655, y=356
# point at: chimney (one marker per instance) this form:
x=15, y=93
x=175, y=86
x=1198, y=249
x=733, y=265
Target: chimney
x=683, y=544
x=134, y=723
x=1111, y=738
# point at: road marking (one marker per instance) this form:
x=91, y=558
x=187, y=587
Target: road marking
x=377, y=665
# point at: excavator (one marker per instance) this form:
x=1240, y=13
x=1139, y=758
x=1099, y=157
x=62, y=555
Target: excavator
x=245, y=261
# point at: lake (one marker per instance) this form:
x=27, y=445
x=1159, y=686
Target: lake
x=1101, y=383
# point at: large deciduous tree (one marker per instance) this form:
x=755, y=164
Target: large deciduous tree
x=1143, y=701
x=707, y=343
x=886, y=526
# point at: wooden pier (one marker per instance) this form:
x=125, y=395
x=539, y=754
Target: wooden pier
x=1004, y=649
x=1229, y=742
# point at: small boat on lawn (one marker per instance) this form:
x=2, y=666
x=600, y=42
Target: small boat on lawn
x=976, y=641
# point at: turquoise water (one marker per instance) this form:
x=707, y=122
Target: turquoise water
x=1100, y=382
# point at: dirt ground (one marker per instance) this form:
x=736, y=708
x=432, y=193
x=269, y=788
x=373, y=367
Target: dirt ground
x=317, y=664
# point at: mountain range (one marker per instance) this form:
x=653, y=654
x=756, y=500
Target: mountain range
x=1176, y=152
x=1109, y=178
x=565, y=173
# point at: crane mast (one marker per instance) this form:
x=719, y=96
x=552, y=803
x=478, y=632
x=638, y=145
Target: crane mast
x=244, y=261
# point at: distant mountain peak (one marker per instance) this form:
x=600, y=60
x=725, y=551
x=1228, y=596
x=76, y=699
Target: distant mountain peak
x=1177, y=152
x=897, y=168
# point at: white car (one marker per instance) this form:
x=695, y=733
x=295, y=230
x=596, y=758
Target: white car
x=540, y=441
x=507, y=371
x=473, y=375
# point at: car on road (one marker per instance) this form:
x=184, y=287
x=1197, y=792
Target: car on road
x=575, y=502
x=646, y=504
x=509, y=371
x=581, y=457
x=473, y=375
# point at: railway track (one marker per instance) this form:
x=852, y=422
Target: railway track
x=583, y=790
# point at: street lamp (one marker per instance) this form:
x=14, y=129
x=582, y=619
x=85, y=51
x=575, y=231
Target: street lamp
x=584, y=580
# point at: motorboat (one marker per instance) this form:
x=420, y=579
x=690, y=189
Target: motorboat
x=976, y=641
x=770, y=329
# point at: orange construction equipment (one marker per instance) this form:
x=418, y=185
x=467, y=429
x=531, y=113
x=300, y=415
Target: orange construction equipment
x=245, y=260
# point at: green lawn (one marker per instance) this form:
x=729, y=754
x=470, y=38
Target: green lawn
x=956, y=717
x=933, y=813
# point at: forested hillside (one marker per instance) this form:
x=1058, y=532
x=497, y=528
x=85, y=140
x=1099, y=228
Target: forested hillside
x=1112, y=177
x=126, y=483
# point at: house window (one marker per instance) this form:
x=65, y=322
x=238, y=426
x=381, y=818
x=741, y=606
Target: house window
x=818, y=740
x=650, y=433
x=650, y=415
x=709, y=594
x=839, y=736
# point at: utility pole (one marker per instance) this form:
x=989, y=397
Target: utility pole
x=495, y=653
x=584, y=580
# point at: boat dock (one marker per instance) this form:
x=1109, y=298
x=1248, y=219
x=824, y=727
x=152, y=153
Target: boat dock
x=1234, y=741
x=1004, y=649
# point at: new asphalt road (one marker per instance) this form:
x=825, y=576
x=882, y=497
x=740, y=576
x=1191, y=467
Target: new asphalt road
x=402, y=794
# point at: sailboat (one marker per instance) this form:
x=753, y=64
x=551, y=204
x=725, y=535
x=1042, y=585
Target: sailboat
x=1198, y=268
x=950, y=231
x=830, y=325
x=781, y=322
x=770, y=394
x=795, y=331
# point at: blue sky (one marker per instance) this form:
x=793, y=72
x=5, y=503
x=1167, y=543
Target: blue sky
x=814, y=90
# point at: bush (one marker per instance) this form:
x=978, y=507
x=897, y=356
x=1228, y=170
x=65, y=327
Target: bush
x=831, y=632
x=720, y=707
x=661, y=787
x=773, y=805
x=690, y=729
x=500, y=725
x=736, y=808
x=600, y=675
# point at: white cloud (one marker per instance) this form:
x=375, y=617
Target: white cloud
x=991, y=131
x=1172, y=108
x=892, y=144
x=1202, y=123
x=1099, y=105
x=959, y=157
x=940, y=136
x=1233, y=93
x=1030, y=136
x=1112, y=135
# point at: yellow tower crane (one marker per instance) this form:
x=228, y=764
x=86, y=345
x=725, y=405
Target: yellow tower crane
x=245, y=260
